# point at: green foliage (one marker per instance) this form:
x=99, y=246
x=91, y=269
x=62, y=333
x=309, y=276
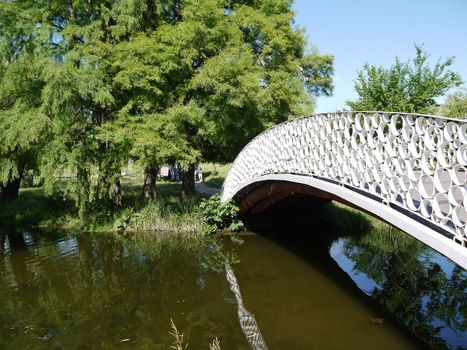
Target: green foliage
x=220, y=215
x=86, y=86
x=410, y=86
x=455, y=105
x=123, y=219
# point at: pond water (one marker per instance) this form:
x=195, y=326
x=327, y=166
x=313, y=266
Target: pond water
x=82, y=291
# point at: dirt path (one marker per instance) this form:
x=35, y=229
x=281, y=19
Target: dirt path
x=205, y=189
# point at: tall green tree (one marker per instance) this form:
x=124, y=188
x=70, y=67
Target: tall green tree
x=23, y=125
x=455, y=105
x=225, y=71
x=410, y=86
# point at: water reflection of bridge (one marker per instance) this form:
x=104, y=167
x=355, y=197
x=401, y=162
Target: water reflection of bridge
x=406, y=169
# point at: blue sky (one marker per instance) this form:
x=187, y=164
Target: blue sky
x=361, y=31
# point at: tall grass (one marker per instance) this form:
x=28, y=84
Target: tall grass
x=163, y=216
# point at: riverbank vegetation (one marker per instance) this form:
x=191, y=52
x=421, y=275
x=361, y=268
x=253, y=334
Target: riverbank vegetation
x=165, y=214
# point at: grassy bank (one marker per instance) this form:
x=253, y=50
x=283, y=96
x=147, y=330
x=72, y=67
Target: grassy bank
x=34, y=208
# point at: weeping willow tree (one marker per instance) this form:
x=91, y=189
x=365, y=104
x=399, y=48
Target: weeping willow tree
x=100, y=82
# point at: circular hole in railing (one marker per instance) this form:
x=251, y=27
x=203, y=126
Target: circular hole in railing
x=416, y=146
x=367, y=123
x=421, y=124
x=464, y=202
x=426, y=208
x=428, y=163
x=341, y=123
x=340, y=171
x=378, y=189
x=332, y=172
x=407, y=133
x=463, y=133
x=462, y=155
x=362, y=151
x=335, y=123
x=362, y=166
x=347, y=149
x=456, y=195
x=376, y=120
x=409, y=119
x=369, y=159
x=333, y=135
x=396, y=125
x=433, y=137
x=398, y=198
x=404, y=151
x=413, y=169
x=383, y=131
x=363, y=137
x=404, y=182
x=349, y=131
x=376, y=173
x=388, y=167
x=414, y=199
x=340, y=138
x=459, y=175
x=392, y=146
x=394, y=184
x=356, y=177
x=355, y=140
x=385, y=186
x=399, y=166
x=442, y=180
x=339, y=157
x=441, y=206
x=426, y=186
x=346, y=180
x=359, y=121
x=439, y=123
x=446, y=154
x=463, y=232
x=367, y=175
x=372, y=138
x=459, y=216
x=451, y=131
x=364, y=185
x=379, y=153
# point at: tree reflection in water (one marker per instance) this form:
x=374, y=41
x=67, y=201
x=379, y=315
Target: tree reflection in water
x=423, y=290
x=80, y=291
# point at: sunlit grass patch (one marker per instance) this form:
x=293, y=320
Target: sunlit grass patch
x=214, y=173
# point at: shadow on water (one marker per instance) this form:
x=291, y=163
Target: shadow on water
x=418, y=291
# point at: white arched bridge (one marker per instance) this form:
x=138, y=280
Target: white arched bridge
x=406, y=169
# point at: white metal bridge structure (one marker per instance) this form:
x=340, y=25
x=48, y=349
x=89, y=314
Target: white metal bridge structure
x=406, y=169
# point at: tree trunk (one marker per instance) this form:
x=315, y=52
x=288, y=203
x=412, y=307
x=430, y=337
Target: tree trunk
x=2, y=242
x=83, y=189
x=150, y=177
x=118, y=193
x=10, y=191
x=188, y=182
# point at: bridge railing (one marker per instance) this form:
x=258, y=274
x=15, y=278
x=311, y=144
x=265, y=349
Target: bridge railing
x=415, y=162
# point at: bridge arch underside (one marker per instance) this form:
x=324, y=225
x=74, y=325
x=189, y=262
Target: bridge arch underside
x=263, y=193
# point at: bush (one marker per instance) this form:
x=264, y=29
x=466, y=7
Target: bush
x=219, y=215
